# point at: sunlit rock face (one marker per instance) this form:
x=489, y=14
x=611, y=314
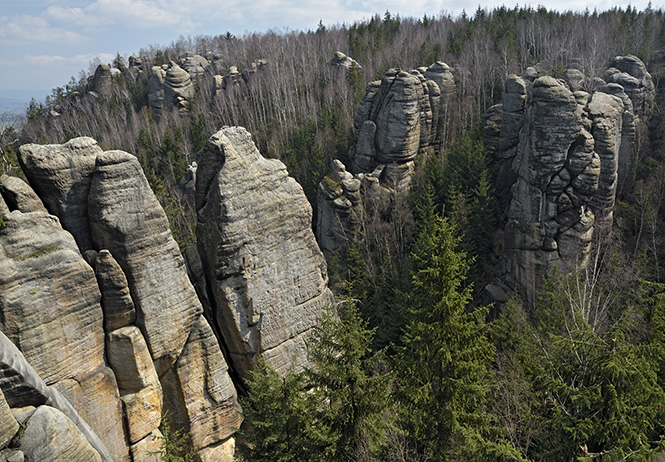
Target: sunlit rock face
x=263, y=266
x=103, y=309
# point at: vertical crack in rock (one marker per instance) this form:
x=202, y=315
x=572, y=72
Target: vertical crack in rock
x=561, y=153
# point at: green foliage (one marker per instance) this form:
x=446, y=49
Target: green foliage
x=279, y=416
x=443, y=363
x=333, y=411
x=348, y=381
x=569, y=390
x=175, y=445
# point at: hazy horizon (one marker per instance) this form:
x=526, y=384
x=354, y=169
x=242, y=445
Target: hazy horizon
x=43, y=43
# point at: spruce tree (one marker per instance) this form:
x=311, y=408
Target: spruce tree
x=279, y=416
x=350, y=386
x=443, y=362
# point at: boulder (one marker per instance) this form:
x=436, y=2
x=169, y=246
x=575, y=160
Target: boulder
x=102, y=79
x=50, y=435
x=17, y=195
x=23, y=388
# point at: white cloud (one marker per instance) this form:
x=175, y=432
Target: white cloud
x=78, y=60
x=29, y=29
x=137, y=14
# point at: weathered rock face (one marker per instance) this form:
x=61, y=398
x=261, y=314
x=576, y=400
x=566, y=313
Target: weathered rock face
x=102, y=79
x=126, y=219
x=150, y=310
x=560, y=154
x=400, y=116
x=60, y=175
x=22, y=389
x=631, y=73
x=194, y=64
x=50, y=435
x=339, y=210
x=340, y=60
x=265, y=271
x=169, y=86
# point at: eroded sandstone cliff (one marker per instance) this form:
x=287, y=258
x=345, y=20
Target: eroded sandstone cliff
x=265, y=271
x=562, y=146
x=102, y=307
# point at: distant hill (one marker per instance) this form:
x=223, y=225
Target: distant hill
x=15, y=102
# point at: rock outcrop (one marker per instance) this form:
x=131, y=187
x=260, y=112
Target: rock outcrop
x=24, y=394
x=53, y=303
x=169, y=86
x=264, y=268
x=194, y=64
x=403, y=114
x=340, y=60
x=339, y=210
x=560, y=152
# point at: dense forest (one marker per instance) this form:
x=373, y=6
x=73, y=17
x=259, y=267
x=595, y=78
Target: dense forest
x=415, y=362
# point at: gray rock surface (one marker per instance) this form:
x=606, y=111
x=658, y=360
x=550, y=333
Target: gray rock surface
x=126, y=219
x=339, y=210
x=142, y=278
x=560, y=153
x=49, y=300
x=200, y=393
x=22, y=387
x=403, y=114
x=169, y=86
x=631, y=73
x=194, y=64
x=50, y=435
x=60, y=174
x=8, y=425
x=116, y=300
x=264, y=268
x=102, y=79
x=17, y=195
x=339, y=59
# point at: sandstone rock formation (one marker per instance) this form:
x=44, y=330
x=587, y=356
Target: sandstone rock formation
x=52, y=302
x=194, y=64
x=49, y=435
x=339, y=210
x=24, y=391
x=266, y=273
x=102, y=79
x=560, y=153
x=169, y=86
x=340, y=60
x=403, y=114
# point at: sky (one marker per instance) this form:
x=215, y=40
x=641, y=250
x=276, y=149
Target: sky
x=43, y=43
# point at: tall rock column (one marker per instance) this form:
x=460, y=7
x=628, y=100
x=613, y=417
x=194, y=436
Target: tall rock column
x=560, y=156
x=264, y=268
x=157, y=340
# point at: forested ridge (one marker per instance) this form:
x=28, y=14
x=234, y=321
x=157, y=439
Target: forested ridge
x=416, y=362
